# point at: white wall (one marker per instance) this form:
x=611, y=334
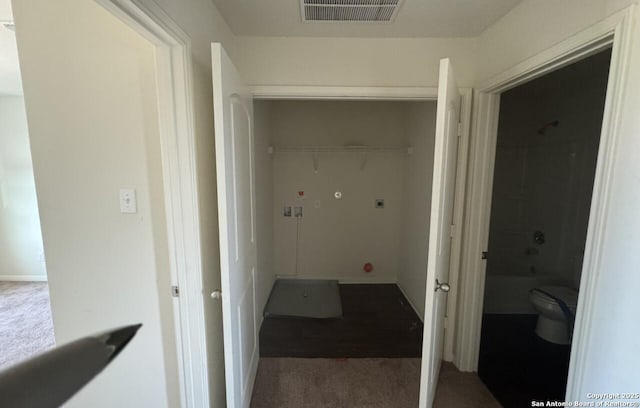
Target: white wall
x=21, y=250
x=533, y=26
x=337, y=237
x=353, y=61
x=611, y=362
x=90, y=96
x=418, y=175
x=89, y=86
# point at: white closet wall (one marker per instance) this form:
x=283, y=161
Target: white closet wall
x=336, y=237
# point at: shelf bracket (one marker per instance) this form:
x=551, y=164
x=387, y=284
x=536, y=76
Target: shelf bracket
x=363, y=160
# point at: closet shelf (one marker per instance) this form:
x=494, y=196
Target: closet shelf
x=341, y=149
x=363, y=150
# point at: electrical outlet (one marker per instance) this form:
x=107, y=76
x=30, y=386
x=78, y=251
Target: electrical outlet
x=287, y=211
x=298, y=211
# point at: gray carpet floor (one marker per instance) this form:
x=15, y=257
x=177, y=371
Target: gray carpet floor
x=462, y=390
x=360, y=383
x=26, y=327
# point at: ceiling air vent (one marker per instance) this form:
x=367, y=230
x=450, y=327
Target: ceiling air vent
x=359, y=11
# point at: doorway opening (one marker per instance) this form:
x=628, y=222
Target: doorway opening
x=341, y=188
x=545, y=164
x=26, y=326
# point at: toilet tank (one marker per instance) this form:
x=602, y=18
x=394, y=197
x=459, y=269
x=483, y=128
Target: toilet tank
x=509, y=294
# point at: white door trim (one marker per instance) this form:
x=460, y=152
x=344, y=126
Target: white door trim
x=615, y=31
x=345, y=92
x=451, y=325
x=176, y=113
x=24, y=278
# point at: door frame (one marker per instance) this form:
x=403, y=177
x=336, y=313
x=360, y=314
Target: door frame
x=178, y=142
x=613, y=32
x=287, y=92
x=383, y=93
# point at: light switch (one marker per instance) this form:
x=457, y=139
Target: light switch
x=128, y=203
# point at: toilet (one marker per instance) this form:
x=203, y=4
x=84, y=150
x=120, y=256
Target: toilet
x=554, y=324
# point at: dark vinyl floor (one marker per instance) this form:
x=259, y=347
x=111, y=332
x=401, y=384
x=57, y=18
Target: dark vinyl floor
x=377, y=321
x=516, y=365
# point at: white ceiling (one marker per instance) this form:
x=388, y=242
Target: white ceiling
x=10, y=80
x=416, y=18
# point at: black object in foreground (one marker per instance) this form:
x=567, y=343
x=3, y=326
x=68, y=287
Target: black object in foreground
x=51, y=378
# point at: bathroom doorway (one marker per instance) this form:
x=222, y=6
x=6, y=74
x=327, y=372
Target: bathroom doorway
x=546, y=155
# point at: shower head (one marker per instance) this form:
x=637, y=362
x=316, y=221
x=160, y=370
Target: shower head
x=544, y=128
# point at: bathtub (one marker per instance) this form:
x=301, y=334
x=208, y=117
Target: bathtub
x=509, y=294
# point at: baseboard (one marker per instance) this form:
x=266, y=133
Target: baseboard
x=341, y=280
x=23, y=278
x=411, y=303
x=376, y=281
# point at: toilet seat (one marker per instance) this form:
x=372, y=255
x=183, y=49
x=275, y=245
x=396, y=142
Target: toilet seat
x=567, y=295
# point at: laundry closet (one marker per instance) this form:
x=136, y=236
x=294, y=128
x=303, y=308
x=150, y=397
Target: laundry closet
x=343, y=192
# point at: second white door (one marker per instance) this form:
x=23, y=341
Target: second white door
x=233, y=114
x=439, y=251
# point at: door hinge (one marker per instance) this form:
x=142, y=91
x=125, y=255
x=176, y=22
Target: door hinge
x=175, y=291
x=452, y=230
x=445, y=322
x=459, y=129
x=485, y=255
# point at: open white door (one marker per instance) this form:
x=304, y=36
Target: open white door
x=442, y=204
x=233, y=115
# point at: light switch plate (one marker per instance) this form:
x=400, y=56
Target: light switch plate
x=128, y=204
